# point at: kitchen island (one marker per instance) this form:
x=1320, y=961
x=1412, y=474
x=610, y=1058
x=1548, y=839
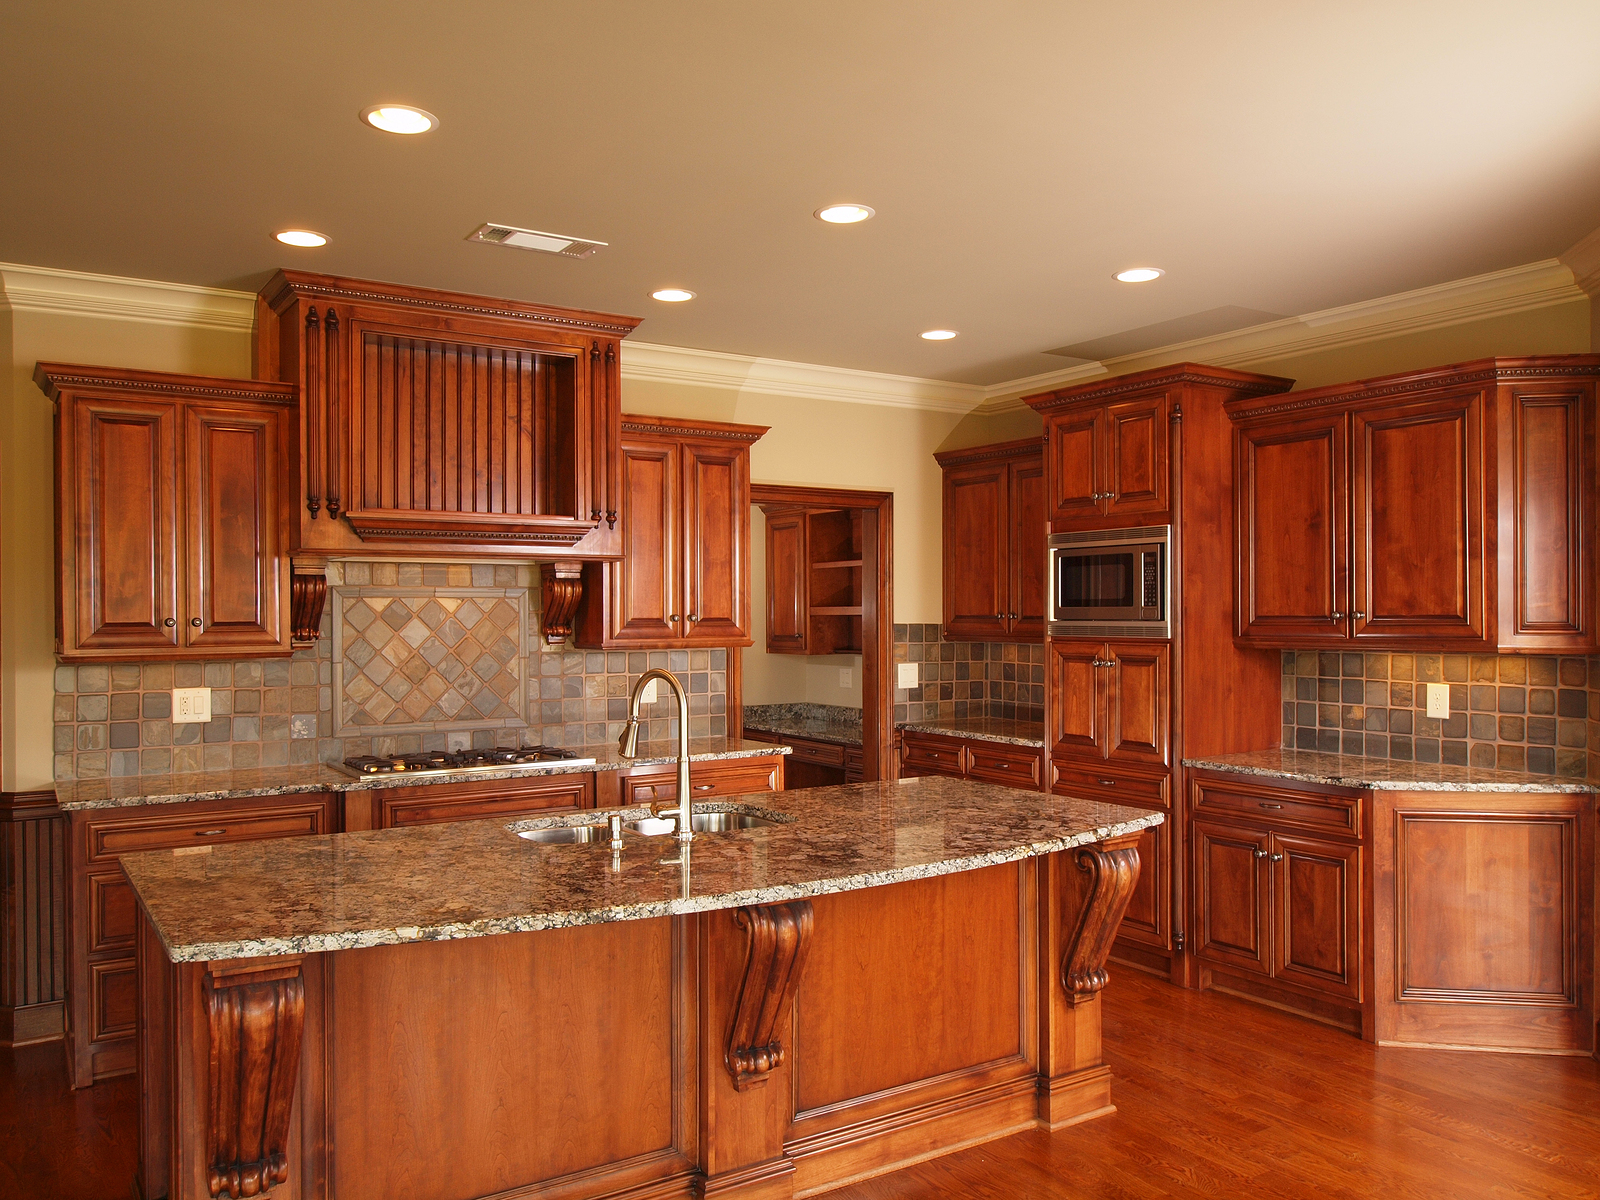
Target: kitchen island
x=888, y=971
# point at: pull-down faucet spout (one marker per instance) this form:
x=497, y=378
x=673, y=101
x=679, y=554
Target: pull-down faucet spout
x=628, y=745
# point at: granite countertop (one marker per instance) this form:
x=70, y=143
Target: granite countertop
x=133, y=790
x=984, y=729
x=816, y=722
x=1383, y=774
x=476, y=878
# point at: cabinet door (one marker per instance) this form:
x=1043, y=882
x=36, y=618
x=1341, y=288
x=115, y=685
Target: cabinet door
x=1135, y=474
x=1316, y=895
x=646, y=586
x=929, y=754
x=118, y=587
x=977, y=585
x=1028, y=551
x=1231, y=896
x=605, y=434
x=1148, y=920
x=1138, y=701
x=1077, y=717
x=716, y=530
x=1074, y=451
x=1417, y=568
x=786, y=582
x=1291, y=536
x=1546, y=526
x=235, y=577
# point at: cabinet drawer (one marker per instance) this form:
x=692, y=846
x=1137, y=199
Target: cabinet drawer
x=733, y=777
x=1337, y=811
x=931, y=756
x=403, y=811
x=113, y=912
x=823, y=754
x=1101, y=783
x=109, y=838
x=995, y=762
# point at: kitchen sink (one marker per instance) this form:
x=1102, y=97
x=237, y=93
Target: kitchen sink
x=703, y=822
x=568, y=835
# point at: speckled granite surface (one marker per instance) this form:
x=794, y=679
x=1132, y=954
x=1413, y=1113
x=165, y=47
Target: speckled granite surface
x=135, y=790
x=984, y=729
x=816, y=722
x=475, y=878
x=1349, y=770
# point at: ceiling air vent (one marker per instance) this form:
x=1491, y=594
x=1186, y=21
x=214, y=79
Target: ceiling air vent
x=533, y=239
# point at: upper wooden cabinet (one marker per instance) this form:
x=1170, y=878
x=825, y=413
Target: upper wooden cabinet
x=994, y=542
x=685, y=540
x=167, y=514
x=1452, y=507
x=814, y=577
x=1109, y=443
x=1111, y=701
x=439, y=422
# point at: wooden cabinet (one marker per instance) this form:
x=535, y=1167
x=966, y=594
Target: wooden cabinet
x=1452, y=507
x=994, y=542
x=498, y=799
x=168, y=521
x=437, y=422
x=684, y=577
x=1111, y=700
x=812, y=763
x=102, y=994
x=814, y=577
x=658, y=784
x=1005, y=763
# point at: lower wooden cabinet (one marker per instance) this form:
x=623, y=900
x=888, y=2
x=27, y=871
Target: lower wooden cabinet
x=102, y=999
x=433, y=803
x=1279, y=879
x=658, y=784
x=1005, y=763
x=812, y=763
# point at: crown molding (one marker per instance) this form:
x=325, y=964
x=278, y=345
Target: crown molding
x=647, y=361
x=1583, y=259
x=79, y=293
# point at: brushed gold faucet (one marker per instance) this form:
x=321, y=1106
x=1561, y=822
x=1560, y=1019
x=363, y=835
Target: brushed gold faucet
x=628, y=746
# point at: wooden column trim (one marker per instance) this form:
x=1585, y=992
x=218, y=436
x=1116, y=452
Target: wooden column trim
x=33, y=918
x=255, y=1015
x=1113, y=869
x=779, y=937
x=562, y=589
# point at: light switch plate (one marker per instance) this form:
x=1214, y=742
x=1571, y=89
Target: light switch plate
x=648, y=696
x=846, y=675
x=1438, y=699
x=191, y=705
x=905, y=675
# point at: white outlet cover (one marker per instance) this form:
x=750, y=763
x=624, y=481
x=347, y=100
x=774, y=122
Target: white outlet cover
x=1438, y=699
x=648, y=696
x=191, y=706
x=905, y=675
x=845, y=676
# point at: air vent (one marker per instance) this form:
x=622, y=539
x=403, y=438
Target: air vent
x=533, y=239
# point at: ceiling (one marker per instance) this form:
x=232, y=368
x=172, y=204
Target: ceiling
x=1274, y=158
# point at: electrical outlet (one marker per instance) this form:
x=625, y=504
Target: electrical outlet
x=648, y=696
x=1438, y=699
x=845, y=676
x=905, y=675
x=191, y=705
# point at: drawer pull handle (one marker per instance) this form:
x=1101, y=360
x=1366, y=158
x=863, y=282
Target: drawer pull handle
x=1002, y=766
x=1108, y=783
x=703, y=787
x=1264, y=804
x=209, y=832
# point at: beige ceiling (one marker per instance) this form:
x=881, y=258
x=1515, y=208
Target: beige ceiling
x=1273, y=156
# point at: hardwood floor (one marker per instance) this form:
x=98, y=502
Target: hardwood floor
x=1217, y=1098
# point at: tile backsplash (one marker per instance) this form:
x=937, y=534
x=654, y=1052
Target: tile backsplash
x=413, y=656
x=1516, y=712
x=975, y=679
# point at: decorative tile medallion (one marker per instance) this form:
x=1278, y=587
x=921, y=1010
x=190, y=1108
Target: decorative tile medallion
x=414, y=659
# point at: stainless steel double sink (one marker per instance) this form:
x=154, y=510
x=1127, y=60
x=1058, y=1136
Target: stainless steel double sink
x=702, y=822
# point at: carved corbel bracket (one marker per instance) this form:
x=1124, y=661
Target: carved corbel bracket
x=779, y=939
x=255, y=1015
x=562, y=589
x=1113, y=868
x=308, y=593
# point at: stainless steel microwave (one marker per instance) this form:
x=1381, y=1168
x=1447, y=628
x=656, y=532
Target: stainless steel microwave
x=1109, y=583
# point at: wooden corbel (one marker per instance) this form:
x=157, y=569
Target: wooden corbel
x=308, y=593
x=779, y=939
x=562, y=589
x=256, y=1015
x=1113, y=868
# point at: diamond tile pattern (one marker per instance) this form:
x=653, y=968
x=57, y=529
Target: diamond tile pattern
x=411, y=658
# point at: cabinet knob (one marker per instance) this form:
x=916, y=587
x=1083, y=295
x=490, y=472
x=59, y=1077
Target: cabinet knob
x=1359, y=616
x=1261, y=853
x=170, y=622
x=1275, y=857
x=195, y=621
x=694, y=616
x=672, y=616
x=1338, y=616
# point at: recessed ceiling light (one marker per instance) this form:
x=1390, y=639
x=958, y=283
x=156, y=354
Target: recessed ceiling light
x=672, y=295
x=843, y=214
x=939, y=335
x=300, y=237
x=399, y=118
x=1140, y=274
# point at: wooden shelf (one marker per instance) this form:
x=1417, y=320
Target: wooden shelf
x=837, y=611
x=843, y=562
x=846, y=650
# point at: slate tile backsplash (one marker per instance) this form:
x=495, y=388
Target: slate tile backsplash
x=975, y=679
x=465, y=667
x=1515, y=712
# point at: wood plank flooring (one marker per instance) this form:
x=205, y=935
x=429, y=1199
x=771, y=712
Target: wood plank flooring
x=1217, y=1097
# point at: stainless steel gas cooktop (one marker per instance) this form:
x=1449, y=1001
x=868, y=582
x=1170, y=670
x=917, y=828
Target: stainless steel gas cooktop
x=450, y=762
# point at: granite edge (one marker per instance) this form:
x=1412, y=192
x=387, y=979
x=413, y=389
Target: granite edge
x=955, y=731
x=1332, y=779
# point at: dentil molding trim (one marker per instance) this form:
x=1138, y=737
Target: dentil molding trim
x=1517, y=289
